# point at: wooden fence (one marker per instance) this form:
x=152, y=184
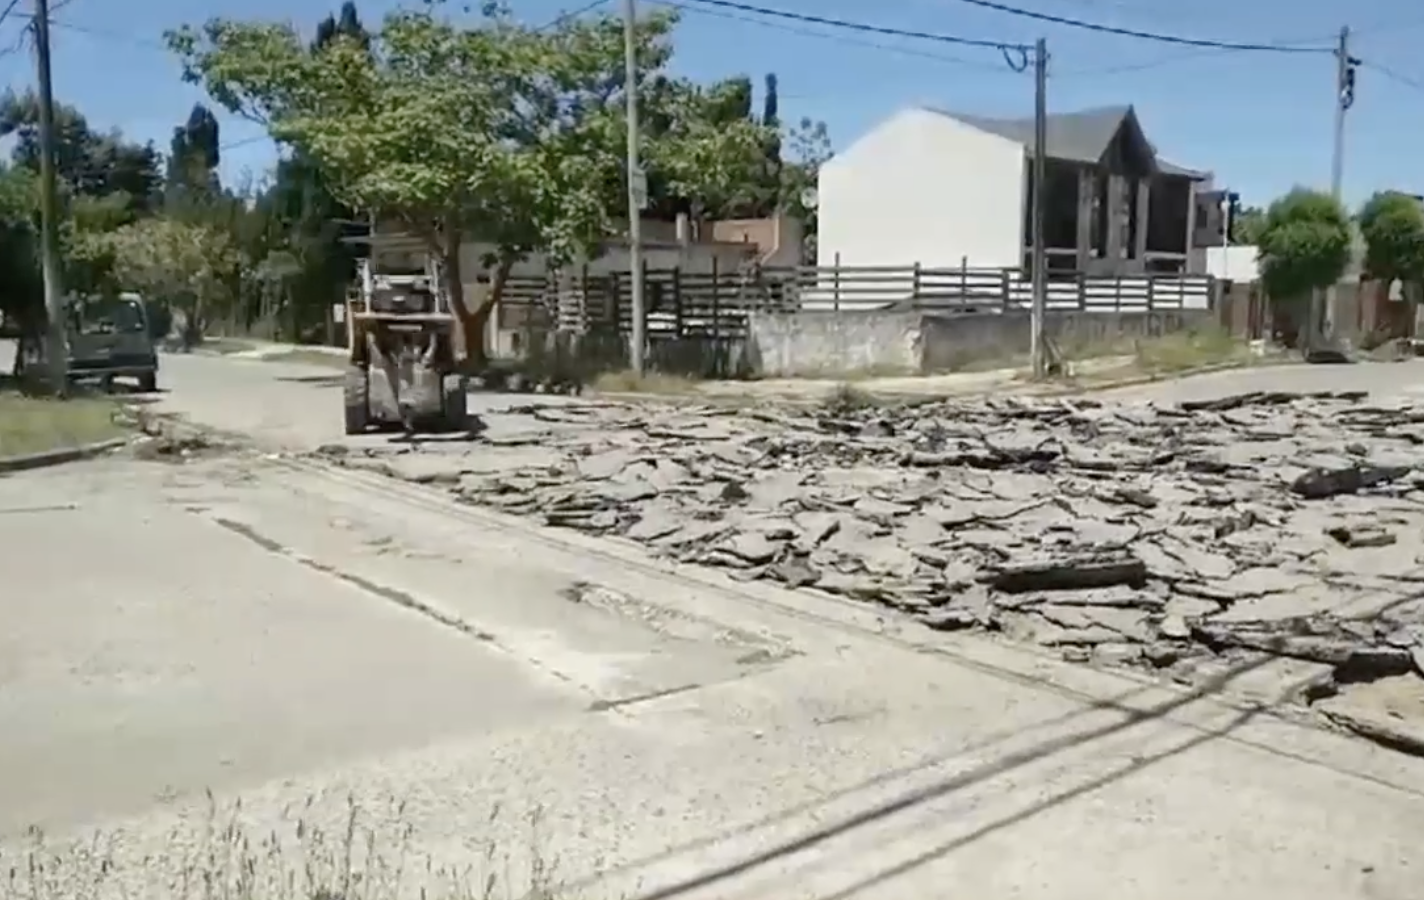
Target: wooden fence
x=677, y=304
x=715, y=305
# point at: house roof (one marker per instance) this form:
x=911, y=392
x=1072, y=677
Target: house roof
x=1082, y=136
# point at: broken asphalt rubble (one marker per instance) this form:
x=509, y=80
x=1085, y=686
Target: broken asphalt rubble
x=1185, y=539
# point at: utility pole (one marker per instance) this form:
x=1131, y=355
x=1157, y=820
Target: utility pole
x=1344, y=99
x=1038, y=260
x=56, y=349
x=637, y=184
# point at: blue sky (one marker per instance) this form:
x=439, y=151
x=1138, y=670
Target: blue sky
x=1261, y=121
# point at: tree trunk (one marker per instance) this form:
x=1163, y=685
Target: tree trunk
x=469, y=344
x=473, y=319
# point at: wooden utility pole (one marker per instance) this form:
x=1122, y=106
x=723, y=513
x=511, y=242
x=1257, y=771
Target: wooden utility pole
x=56, y=345
x=637, y=187
x=1038, y=260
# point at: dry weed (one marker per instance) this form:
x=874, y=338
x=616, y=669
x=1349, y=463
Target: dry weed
x=224, y=858
x=629, y=382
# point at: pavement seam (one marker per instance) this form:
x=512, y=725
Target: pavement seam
x=618, y=706
x=401, y=599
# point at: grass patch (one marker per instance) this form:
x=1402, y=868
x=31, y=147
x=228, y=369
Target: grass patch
x=629, y=382
x=1162, y=356
x=37, y=424
x=1189, y=349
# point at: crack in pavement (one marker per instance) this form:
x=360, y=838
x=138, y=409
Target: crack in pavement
x=408, y=601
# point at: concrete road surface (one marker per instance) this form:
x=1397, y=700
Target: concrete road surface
x=486, y=692
x=1384, y=379
x=301, y=405
x=291, y=636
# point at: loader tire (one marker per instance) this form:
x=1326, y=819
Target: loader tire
x=455, y=404
x=358, y=400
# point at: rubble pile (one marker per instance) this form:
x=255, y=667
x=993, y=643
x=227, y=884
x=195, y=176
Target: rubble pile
x=1163, y=537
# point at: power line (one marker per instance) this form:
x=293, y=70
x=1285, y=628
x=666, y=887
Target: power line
x=839, y=37
x=863, y=27
x=1194, y=53
x=9, y=8
x=1392, y=74
x=572, y=14
x=1157, y=37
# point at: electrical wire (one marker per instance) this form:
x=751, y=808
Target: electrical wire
x=839, y=37
x=1191, y=54
x=1015, y=54
x=9, y=8
x=1156, y=37
x=1392, y=74
x=572, y=14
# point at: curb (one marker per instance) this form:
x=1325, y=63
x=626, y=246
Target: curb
x=1027, y=388
x=27, y=461
x=1137, y=380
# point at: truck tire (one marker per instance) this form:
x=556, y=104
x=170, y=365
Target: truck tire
x=358, y=400
x=148, y=382
x=455, y=403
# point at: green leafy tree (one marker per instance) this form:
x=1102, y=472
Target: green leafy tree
x=303, y=267
x=494, y=132
x=771, y=122
x=1246, y=227
x=186, y=264
x=84, y=236
x=1392, y=224
x=22, y=297
x=809, y=144
x=194, y=156
x=346, y=23
x=103, y=183
x=87, y=163
x=1304, y=244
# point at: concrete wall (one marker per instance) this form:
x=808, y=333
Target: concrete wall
x=827, y=344
x=923, y=186
x=1235, y=263
x=952, y=343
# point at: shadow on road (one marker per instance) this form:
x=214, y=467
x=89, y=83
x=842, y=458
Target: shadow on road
x=314, y=380
x=912, y=799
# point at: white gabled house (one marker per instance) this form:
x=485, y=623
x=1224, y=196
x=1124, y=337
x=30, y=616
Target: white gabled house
x=946, y=190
